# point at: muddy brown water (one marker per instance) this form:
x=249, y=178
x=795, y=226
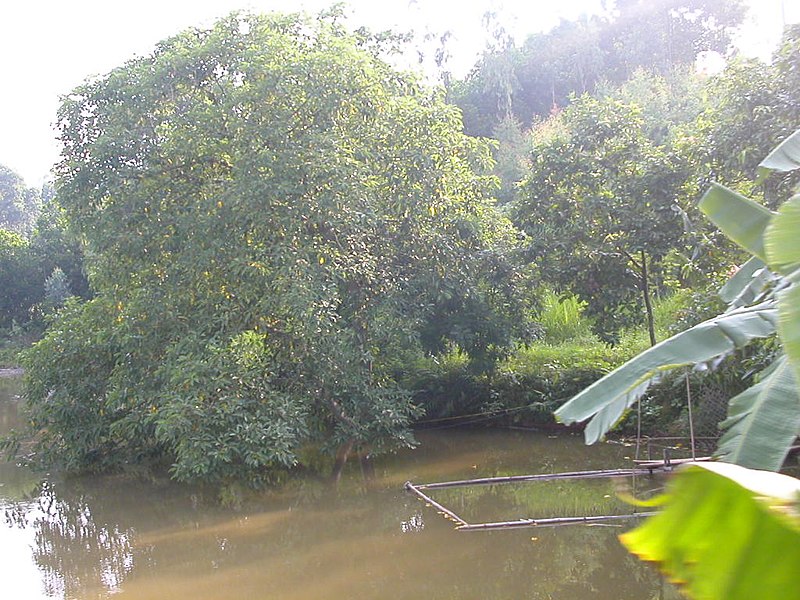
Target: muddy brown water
x=135, y=538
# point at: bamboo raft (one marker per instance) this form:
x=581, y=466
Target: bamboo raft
x=642, y=468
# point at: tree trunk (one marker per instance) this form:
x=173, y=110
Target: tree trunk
x=648, y=305
x=341, y=459
x=367, y=466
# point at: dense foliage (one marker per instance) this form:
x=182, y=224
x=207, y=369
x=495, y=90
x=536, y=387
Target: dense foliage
x=599, y=205
x=273, y=219
x=19, y=204
x=575, y=57
x=39, y=270
x=752, y=107
x=19, y=277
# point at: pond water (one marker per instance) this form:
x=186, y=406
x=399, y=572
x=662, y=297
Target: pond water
x=136, y=538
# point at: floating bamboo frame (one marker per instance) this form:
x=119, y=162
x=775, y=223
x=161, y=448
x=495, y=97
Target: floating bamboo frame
x=646, y=468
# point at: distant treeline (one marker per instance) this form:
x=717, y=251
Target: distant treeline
x=532, y=80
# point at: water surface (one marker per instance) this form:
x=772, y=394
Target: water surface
x=136, y=538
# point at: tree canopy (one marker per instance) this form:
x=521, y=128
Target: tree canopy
x=273, y=217
x=572, y=59
x=19, y=204
x=599, y=205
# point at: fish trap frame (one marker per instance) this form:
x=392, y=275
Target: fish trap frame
x=643, y=467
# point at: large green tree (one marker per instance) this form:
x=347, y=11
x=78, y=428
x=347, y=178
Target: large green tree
x=272, y=217
x=599, y=206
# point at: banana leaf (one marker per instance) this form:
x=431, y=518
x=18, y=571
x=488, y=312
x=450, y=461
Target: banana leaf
x=786, y=157
x=725, y=533
x=782, y=237
x=789, y=324
x=607, y=399
x=763, y=421
x=741, y=219
x=782, y=241
x=747, y=284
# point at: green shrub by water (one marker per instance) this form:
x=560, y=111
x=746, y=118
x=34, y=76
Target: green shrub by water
x=534, y=381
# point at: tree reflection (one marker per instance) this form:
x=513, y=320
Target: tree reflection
x=96, y=537
x=76, y=553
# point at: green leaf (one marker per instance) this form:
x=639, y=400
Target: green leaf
x=746, y=284
x=740, y=218
x=789, y=324
x=786, y=157
x=607, y=399
x=763, y=421
x=781, y=239
x=783, y=251
x=726, y=533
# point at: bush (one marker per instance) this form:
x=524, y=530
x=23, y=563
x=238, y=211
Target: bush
x=524, y=390
x=529, y=386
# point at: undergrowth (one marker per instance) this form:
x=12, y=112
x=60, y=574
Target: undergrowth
x=526, y=388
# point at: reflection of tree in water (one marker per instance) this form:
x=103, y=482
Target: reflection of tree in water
x=78, y=555
x=92, y=535
x=307, y=539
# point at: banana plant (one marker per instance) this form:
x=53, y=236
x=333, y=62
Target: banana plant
x=726, y=531
x=764, y=299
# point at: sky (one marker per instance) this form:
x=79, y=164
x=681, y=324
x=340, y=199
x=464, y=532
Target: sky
x=49, y=47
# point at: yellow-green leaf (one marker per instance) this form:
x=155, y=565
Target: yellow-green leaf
x=726, y=533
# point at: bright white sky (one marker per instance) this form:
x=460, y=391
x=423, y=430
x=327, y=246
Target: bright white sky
x=47, y=47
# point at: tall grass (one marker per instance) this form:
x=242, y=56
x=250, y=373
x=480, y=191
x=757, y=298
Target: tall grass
x=666, y=313
x=563, y=319
x=537, y=378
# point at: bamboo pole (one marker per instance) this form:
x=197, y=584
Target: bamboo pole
x=540, y=477
x=672, y=461
x=446, y=511
x=666, y=438
x=462, y=525
x=653, y=464
x=550, y=522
